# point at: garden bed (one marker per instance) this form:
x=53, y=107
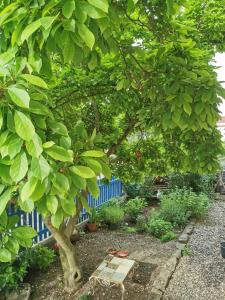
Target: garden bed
x=147, y=251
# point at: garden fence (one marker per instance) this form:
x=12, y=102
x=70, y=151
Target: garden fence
x=34, y=219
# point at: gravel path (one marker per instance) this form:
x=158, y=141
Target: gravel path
x=201, y=276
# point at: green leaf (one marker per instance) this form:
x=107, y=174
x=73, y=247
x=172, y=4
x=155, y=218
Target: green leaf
x=48, y=144
x=12, y=221
x=106, y=170
x=7, y=56
x=101, y=4
x=4, y=199
x=93, y=188
x=40, y=168
x=27, y=206
x=58, y=127
x=23, y=125
x=187, y=108
x=30, y=29
x=38, y=192
x=57, y=219
x=19, y=96
x=61, y=182
x=68, y=8
x=38, y=108
x=5, y=255
x=35, y=80
x=14, y=145
x=78, y=181
x=12, y=245
x=19, y=167
x=86, y=35
x=93, y=153
x=34, y=146
x=85, y=204
x=84, y=172
x=52, y=203
x=24, y=232
x=47, y=22
x=169, y=4
x=94, y=165
x=68, y=205
x=28, y=188
x=3, y=219
x=59, y=153
x=94, y=12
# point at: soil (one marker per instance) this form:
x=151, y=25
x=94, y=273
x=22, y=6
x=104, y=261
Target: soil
x=148, y=252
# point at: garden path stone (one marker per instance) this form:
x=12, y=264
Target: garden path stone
x=201, y=276
x=184, y=238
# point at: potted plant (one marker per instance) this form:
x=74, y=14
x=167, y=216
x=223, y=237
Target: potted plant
x=92, y=220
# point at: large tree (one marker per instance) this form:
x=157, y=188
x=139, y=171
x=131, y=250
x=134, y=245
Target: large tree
x=160, y=83
x=159, y=86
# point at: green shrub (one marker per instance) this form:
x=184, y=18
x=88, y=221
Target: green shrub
x=143, y=190
x=112, y=216
x=180, y=205
x=196, y=182
x=168, y=236
x=116, y=201
x=12, y=274
x=158, y=227
x=141, y=224
x=134, y=207
x=129, y=229
x=39, y=257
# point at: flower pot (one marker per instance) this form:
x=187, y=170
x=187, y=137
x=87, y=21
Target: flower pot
x=92, y=227
x=222, y=249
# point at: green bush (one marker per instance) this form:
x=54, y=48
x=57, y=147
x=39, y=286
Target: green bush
x=129, y=229
x=112, y=216
x=168, y=236
x=180, y=205
x=39, y=257
x=158, y=227
x=142, y=190
x=12, y=274
x=134, y=207
x=141, y=224
x=116, y=201
x=196, y=182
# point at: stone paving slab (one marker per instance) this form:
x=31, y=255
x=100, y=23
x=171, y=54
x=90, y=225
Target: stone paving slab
x=113, y=269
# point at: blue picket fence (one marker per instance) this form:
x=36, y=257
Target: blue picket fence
x=34, y=219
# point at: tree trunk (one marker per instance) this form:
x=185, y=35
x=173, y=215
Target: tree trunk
x=69, y=261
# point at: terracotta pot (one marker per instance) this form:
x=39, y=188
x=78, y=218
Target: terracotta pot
x=92, y=227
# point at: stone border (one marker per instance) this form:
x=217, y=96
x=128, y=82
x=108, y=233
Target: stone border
x=166, y=271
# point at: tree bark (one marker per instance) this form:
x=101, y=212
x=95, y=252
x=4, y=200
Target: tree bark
x=68, y=257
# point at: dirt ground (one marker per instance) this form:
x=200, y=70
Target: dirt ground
x=148, y=252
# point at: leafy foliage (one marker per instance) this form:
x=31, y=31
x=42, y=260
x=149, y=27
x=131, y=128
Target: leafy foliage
x=143, y=190
x=181, y=204
x=112, y=216
x=196, y=182
x=158, y=226
x=39, y=257
x=13, y=273
x=135, y=207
